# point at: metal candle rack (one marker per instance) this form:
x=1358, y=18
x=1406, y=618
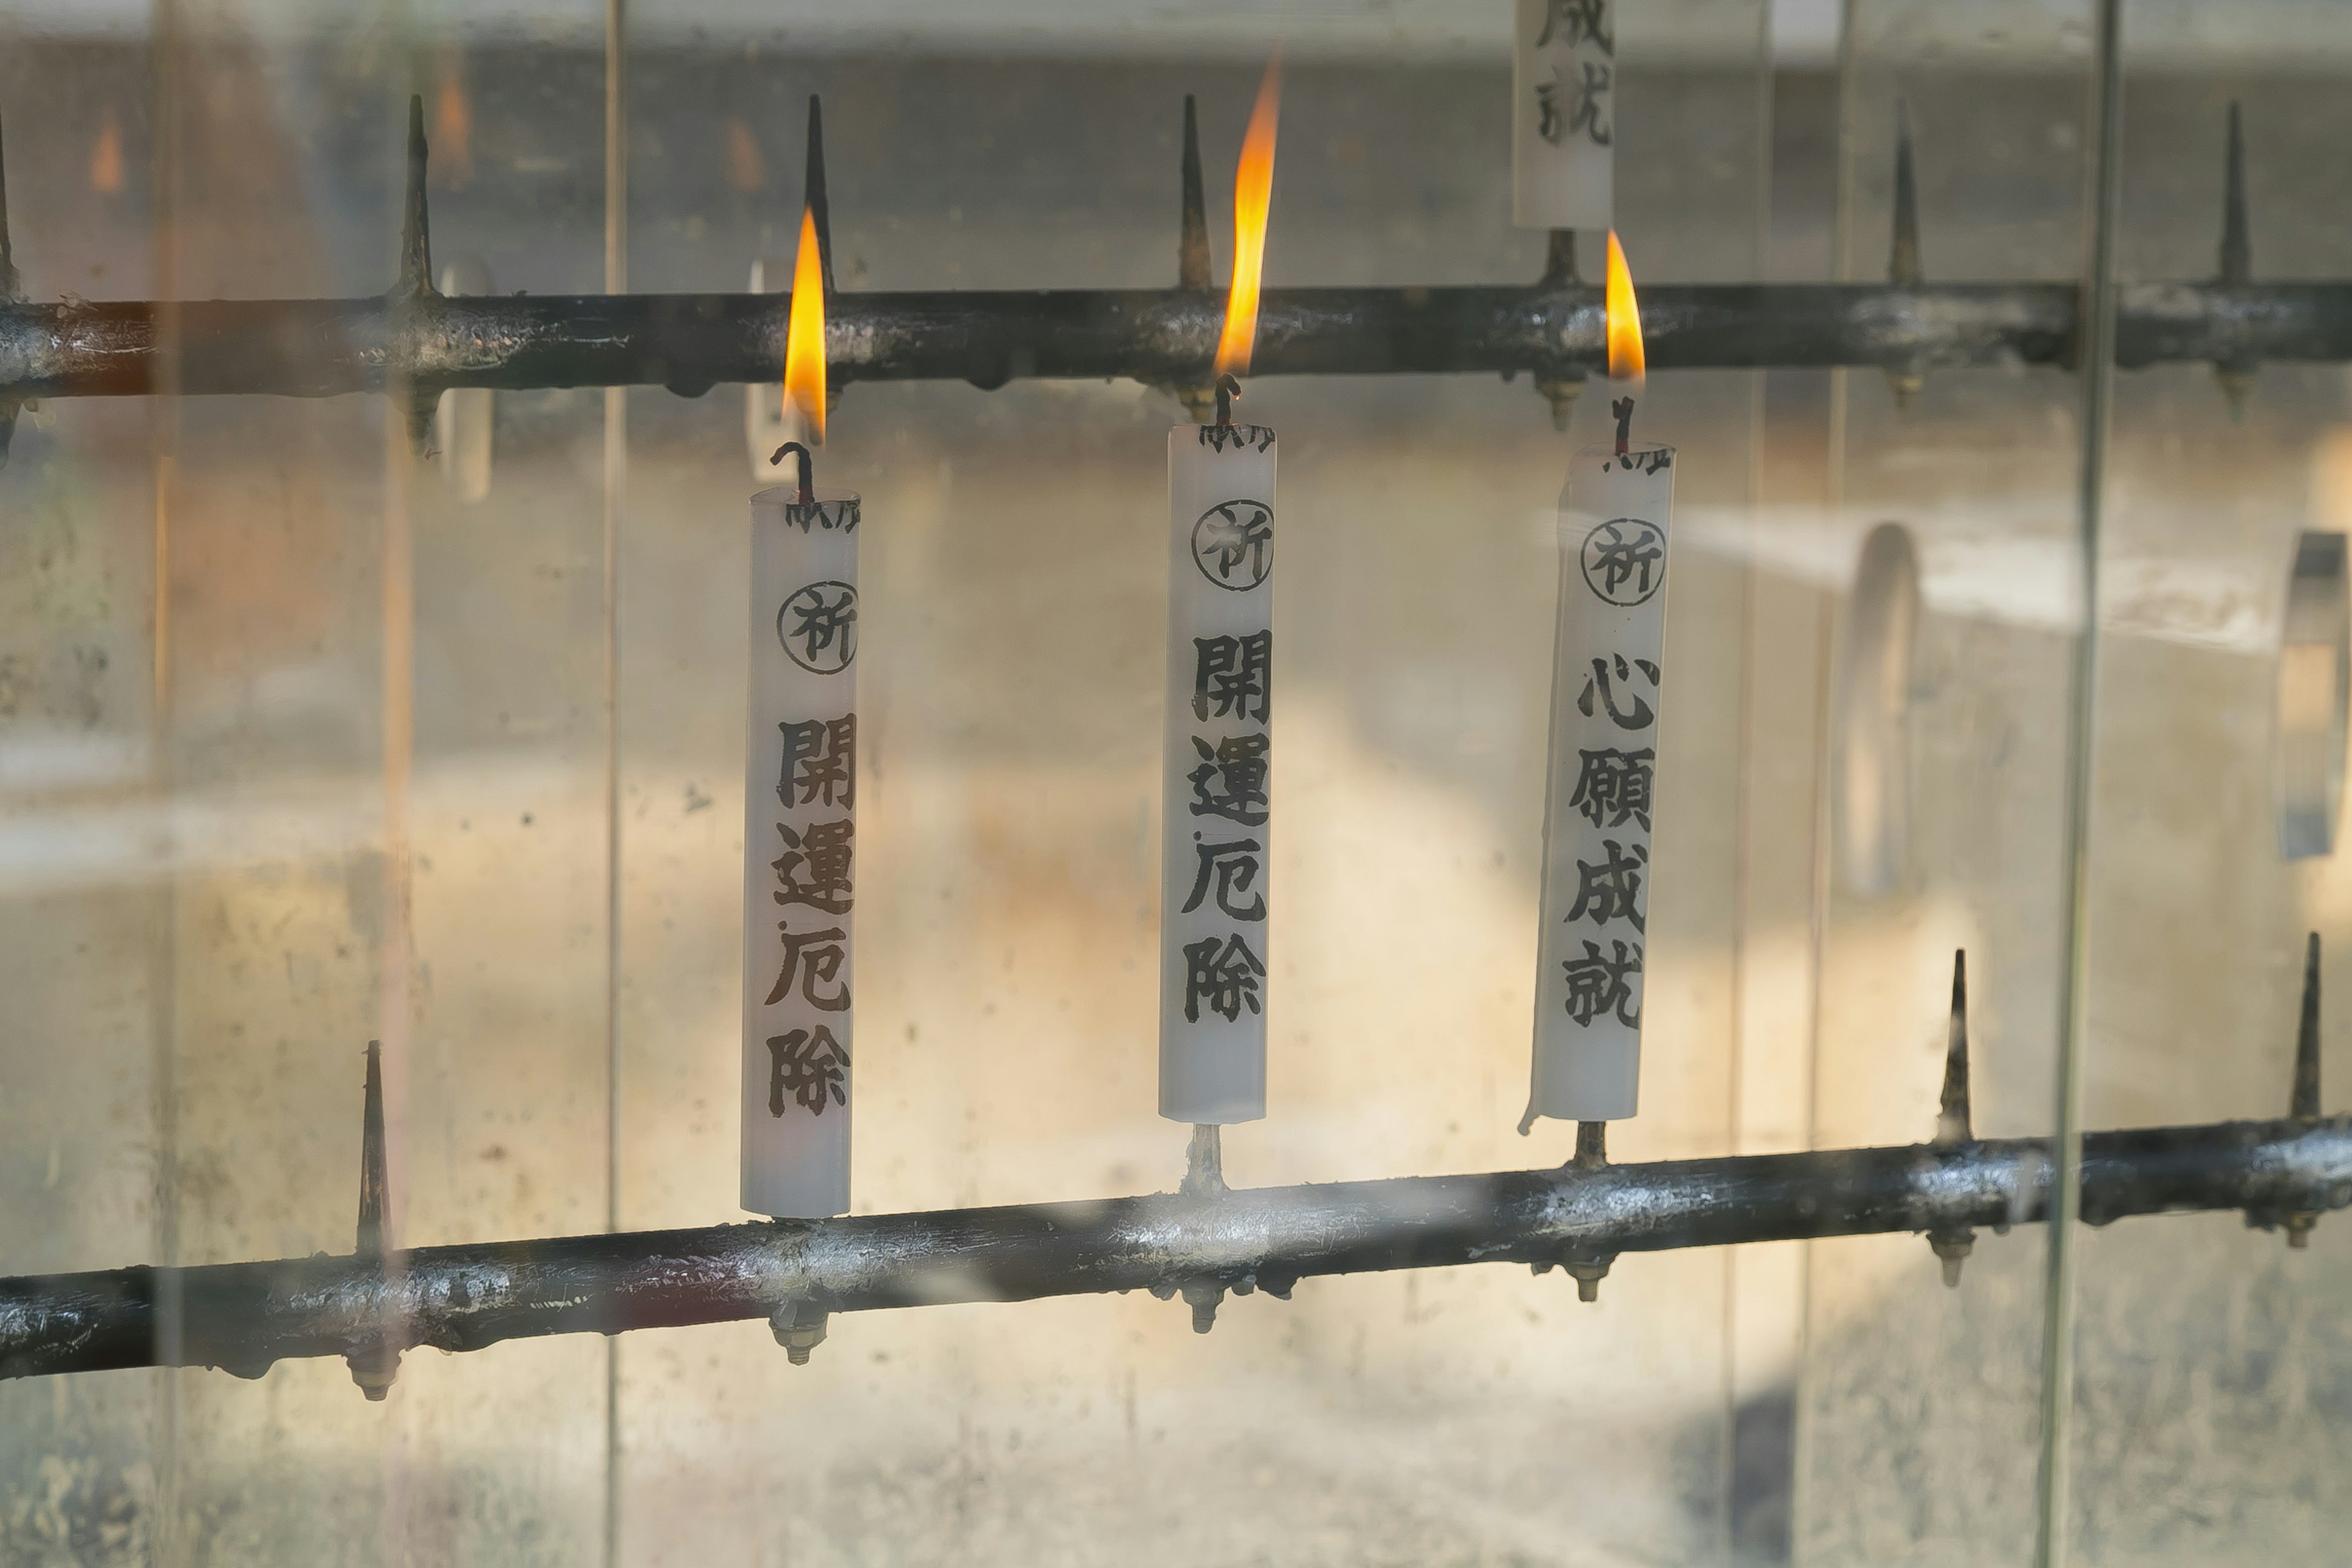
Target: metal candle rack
x=415, y=342
x=1200, y=1242
x=1206, y=1239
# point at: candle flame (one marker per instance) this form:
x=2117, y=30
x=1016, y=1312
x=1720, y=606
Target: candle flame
x=1625, y=359
x=804, y=339
x=1252, y=195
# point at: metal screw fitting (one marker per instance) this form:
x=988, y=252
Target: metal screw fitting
x=800, y=1329
x=374, y=1368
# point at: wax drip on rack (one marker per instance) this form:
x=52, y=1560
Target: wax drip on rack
x=1227, y=390
x=1204, y=1163
x=1622, y=407
x=807, y=496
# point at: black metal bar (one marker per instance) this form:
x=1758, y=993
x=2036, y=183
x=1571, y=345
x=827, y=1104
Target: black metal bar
x=245, y=1316
x=689, y=342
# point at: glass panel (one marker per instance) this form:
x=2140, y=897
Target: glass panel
x=1905, y=1380
x=2211, y=1355
x=86, y=910
x=339, y=781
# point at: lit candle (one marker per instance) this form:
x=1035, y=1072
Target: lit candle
x=800, y=817
x=1607, y=676
x=1216, y=804
x=1563, y=114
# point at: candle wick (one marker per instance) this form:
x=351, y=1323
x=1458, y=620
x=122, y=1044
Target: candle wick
x=1623, y=408
x=807, y=496
x=1227, y=390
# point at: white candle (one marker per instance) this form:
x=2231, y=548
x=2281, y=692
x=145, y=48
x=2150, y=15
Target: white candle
x=1217, y=806
x=800, y=821
x=1563, y=114
x=1607, y=676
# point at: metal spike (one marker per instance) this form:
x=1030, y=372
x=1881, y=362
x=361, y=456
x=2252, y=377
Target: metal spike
x=2237, y=242
x=2236, y=376
x=375, y=1364
x=11, y=288
x=373, y=1178
x=2302, y=1099
x=1903, y=267
x=2304, y=1103
x=1193, y=242
x=414, y=289
x=1192, y=252
x=1591, y=1145
x=813, y=193
x=1954, y=1124
x=416, y=234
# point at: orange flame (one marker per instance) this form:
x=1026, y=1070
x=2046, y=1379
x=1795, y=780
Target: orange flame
x=804, y=339
x=1252, y=195
x=1626, y=361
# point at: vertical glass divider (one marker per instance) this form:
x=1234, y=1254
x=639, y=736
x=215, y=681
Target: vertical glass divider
x=166, y=61
x=2096, y=365
x=616, y=474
